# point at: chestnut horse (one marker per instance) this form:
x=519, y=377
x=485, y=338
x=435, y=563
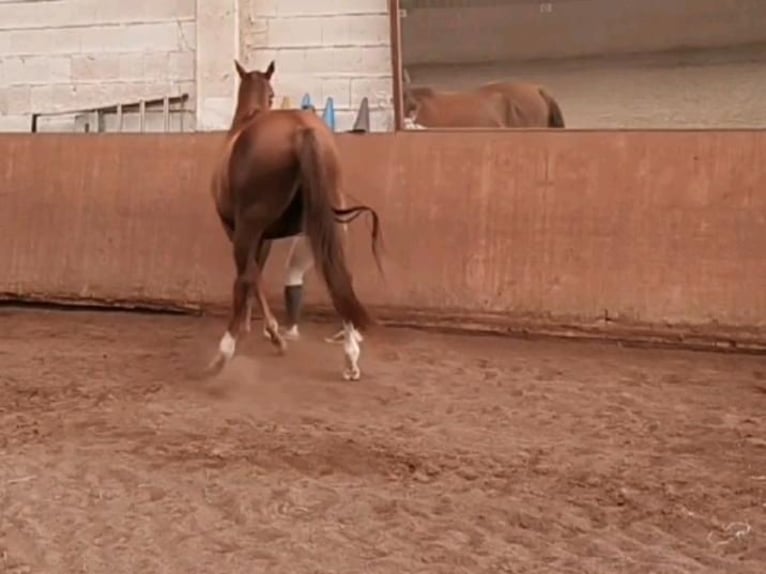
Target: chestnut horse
x=492, y=105
x=279, y=176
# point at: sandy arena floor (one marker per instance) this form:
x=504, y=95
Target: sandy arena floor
x=453, y=454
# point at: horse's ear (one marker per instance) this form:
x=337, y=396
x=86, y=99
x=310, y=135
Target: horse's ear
x=406, y=77
x=270, y=70
x=240, y=70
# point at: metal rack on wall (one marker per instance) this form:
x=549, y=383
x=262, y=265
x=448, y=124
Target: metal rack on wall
x=97, y=124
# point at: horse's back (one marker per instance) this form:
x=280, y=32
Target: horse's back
x=269, y=144
x=272, y=135
x=461, y=109
x=491, y=105
x=263, y=157
x=526, y=105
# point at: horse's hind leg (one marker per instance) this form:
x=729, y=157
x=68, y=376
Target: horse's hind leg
x=245, y=242
x=352, y=351
x=260, y=260
x=248, y=310
x=270, y=325
x=340, y=335
x=240, y=292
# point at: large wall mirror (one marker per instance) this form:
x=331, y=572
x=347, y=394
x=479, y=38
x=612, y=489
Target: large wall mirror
x=606, y=64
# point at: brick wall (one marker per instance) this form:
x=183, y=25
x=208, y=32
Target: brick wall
x=59, y=55
x=73, y=54
x=338, y=48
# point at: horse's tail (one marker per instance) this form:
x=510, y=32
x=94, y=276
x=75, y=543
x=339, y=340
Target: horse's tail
x=349, y=214
x=323, y=232
x=555, y=116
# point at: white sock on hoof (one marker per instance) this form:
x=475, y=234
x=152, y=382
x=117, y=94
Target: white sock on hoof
x=227, y=345
x=352, y=351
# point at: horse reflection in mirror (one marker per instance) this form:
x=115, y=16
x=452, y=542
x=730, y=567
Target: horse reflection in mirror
x=278, y=176
x=492, y=105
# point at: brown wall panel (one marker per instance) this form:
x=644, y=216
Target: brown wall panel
x=642, y=228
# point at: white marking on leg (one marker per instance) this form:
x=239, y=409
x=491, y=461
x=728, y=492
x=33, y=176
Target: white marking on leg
x=340, y=336
x=352, y=352
x=227, y=346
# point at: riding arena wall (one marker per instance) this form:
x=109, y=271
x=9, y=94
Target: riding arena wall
x=637, y=235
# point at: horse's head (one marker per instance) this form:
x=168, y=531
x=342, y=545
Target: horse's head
x=255, y=91
x=410, y=104
x=414, y=98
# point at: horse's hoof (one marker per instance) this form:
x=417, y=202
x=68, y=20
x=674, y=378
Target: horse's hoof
x=279, y=342
x=336, y=338
x=352, y=374
x=215, y=366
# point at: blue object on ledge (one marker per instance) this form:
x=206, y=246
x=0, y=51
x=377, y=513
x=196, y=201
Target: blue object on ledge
x=328, y=115
x=306, y=103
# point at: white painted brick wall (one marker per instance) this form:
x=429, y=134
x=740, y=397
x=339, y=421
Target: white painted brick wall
x=337, y=48
x=76, y=54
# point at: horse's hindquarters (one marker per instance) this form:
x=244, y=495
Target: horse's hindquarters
x=290, y=223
